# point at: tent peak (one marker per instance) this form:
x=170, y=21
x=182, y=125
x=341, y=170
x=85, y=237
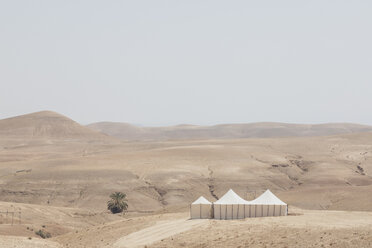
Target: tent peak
x=231, y=198
x=201, y=200
x=268, y=198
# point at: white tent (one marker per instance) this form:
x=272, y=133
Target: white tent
x=201, y=209
x=231, y=206
x=267, y=204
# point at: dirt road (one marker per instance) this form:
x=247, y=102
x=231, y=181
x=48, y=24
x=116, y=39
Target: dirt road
x=157, y=232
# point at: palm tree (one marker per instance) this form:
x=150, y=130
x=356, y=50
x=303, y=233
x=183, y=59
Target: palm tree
x=118, y=203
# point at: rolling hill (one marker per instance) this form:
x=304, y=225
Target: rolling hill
x=46, y=125
x=67, y=169
x=226, y=131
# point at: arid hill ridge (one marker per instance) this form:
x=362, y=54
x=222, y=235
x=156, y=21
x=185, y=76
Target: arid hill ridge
x=48, y=159
x=226, y=131
x=46, y=125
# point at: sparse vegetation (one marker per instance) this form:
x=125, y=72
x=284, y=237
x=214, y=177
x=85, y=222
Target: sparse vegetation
x=43, y=234
x=118, y=202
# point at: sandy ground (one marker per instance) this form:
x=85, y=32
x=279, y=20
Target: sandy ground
x=302, y=228
x=159, y=176
x=24, y=242
x=29, y=218
x=107, y=235
x=157, y=232
x=309, y=229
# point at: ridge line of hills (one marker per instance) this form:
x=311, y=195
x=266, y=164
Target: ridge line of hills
x=48, y=124
x=49, y=159
x=128, y=131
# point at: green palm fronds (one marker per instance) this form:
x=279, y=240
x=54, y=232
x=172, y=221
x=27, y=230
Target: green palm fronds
x=118, y=202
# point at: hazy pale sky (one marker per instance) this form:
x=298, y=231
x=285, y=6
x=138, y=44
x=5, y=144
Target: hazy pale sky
x=199, y=62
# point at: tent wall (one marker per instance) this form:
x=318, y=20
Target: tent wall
x=246, y=211
x=249, y=211
x=200, y=211
x=217, y=211
x=277, y=210
x=258, y=210
x=231, y=211
x=195, y=211
x=283, y=210
x=267, y=210
x=220, y=212
x=223, y=212
x=272, y=210
x=241, y=211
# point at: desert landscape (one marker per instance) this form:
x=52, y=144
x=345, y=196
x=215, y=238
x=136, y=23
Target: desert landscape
x=161, y=124
x=57, y=175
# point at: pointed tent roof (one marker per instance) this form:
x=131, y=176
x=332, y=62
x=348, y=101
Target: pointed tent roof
x=201, y=200
x=231, y=198
x=267, y=198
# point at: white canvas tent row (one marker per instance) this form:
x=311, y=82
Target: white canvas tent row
x=232, y=206
x=201, y=209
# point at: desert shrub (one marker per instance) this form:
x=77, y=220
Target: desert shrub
x=118, y=202
x=43, y=234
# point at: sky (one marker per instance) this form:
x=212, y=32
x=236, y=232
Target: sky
x=200, y=62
